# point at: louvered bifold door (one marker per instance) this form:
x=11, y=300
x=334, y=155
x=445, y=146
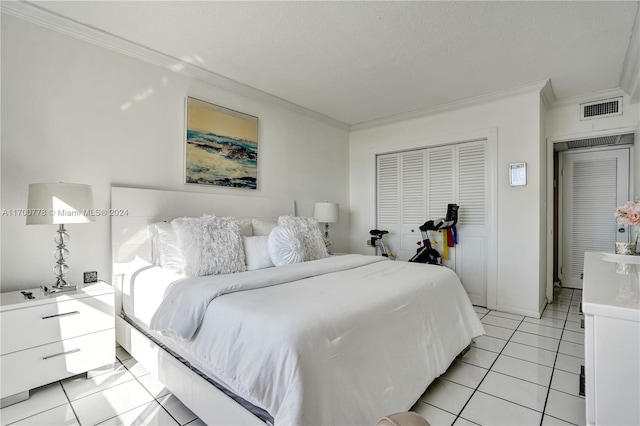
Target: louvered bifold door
x=471, y=252
x=593, y=185
x=441, y=175
x=413, y=196
x=388, y=198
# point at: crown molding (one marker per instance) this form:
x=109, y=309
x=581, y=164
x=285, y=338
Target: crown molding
x=44, y=18
x=630, y=77
x=589, y=97
x=547, y=95
x=539, y=86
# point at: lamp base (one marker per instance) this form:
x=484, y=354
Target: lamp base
x=58, y=288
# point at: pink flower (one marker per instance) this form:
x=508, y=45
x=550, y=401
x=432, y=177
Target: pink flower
x=633, y=218
x=628, y=214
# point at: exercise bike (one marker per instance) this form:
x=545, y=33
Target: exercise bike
x=376, y=241
x=426, y=253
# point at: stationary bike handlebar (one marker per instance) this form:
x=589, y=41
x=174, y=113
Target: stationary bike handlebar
x=442, y=223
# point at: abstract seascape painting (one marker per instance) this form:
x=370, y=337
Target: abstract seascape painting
x=221, y=146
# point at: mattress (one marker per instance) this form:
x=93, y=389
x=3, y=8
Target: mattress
x=142, y=296
x=343, y=340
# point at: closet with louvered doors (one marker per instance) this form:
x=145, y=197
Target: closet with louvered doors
x=415, y=186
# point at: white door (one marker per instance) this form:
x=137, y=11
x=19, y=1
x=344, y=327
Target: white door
x=442, y=178
x=388, y=185
x=473, y=226
x=413, y=198
x=592, y=185
x=415, y=186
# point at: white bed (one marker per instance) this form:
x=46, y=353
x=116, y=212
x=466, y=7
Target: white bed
x=354, y=339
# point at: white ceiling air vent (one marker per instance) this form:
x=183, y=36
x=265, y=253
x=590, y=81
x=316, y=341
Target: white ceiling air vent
x=600, y=109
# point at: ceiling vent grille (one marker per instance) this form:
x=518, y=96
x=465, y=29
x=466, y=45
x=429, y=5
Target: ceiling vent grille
x=601, y=109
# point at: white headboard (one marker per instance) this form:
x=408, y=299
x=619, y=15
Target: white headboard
x=130, y=243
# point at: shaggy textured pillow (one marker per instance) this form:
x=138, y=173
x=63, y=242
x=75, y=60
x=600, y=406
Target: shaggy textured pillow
x=285, y=247
x=308, y=232
x=210, y=245
x=262, y=228
x=256, y=252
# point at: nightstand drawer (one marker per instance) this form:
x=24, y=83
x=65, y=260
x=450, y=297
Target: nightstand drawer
x=31, y=368
x=42, y=324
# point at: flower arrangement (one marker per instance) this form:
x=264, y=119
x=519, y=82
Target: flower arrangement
x=629, y=214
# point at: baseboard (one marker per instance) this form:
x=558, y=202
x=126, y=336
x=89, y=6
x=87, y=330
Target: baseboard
x=518, y=311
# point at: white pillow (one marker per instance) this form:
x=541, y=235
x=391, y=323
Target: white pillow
x=210, y=245
x=285, y=247
x=152, y=230
x=168, y=250
x=247, y=227
x=309, y=233
x=262, y=228
x=256, y=252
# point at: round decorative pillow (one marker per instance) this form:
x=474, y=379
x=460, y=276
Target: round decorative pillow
x=285, y=247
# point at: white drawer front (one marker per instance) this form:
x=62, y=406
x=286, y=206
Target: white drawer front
x=38, y=325
x=28, y=369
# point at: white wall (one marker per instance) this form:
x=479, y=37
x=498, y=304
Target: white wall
x=563, y=123
x=544, y=258
x=64, y=118
x=517, y=119
x=563, y=120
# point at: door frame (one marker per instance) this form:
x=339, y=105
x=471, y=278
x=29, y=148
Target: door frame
x=561, y=222
x=491, y=137
x=550, y=183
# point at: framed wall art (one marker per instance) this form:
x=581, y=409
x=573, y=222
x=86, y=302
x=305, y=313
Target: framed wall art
x=221, y=146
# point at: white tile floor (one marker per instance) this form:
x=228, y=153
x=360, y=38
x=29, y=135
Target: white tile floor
x=123, y=394
x=524, y=371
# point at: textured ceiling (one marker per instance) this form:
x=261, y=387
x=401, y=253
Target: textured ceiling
x=360, y=61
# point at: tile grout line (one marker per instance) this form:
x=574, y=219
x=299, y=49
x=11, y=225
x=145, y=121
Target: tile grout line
x=59, y=382
x=153, y=396
x=554, y=365
x=141, y=405
x=43, y=411
x=488, y=371
x=73, y=410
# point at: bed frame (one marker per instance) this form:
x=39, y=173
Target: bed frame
x=131, y=251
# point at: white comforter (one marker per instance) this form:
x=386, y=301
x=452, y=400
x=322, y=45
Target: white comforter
x=337, y=341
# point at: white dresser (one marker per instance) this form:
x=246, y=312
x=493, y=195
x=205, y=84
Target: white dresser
x=611, y=305
x=51, y=337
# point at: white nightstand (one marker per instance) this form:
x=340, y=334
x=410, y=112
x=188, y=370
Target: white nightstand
x=51, y=337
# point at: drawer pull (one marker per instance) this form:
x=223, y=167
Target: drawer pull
x=61, y=315
x=61, y=353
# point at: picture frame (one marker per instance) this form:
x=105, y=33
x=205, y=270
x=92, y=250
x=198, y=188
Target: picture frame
x=220, y=146
x=518, y=174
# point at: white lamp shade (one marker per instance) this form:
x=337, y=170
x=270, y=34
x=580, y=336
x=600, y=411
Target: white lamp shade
x=327, y=212
x=59, y=203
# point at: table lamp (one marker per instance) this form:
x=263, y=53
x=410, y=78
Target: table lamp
x=59, y=204
x=327, y=213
